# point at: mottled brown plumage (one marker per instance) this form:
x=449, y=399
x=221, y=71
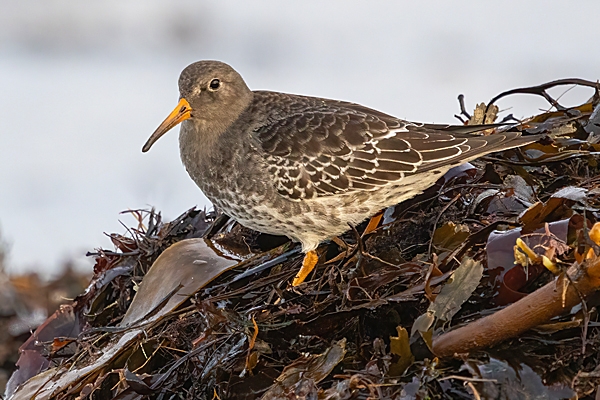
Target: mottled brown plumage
x=303, y=166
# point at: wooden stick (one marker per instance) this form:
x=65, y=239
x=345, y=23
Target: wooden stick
x=533, y=310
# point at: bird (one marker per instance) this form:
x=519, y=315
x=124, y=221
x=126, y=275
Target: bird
x=308, y=167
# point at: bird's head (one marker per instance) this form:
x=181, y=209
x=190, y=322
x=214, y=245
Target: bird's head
x=212, y=96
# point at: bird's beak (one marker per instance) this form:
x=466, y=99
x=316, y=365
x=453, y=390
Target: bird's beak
x=179, y=114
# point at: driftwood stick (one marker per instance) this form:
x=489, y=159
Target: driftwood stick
x=533, y=310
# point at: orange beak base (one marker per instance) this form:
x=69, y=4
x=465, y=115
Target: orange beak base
x=179, y=114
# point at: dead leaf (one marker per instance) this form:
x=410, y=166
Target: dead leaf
x=463, y=283
x=400, y=347
x=313, y=368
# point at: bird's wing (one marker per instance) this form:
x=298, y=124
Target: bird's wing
x=334, y=147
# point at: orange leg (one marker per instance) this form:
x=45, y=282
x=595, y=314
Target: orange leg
x=311, y=258
x=373, y=223
x=308, y=264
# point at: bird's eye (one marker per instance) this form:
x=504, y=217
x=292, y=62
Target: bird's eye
x=215, y=84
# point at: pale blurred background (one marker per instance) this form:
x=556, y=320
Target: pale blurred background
x=83, y=84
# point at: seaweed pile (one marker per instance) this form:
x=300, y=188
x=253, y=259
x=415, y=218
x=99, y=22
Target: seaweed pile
x=484, y=286
x=26, y=301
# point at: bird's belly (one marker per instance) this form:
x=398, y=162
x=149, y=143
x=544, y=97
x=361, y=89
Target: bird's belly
x=310, y=227
x=309, y=221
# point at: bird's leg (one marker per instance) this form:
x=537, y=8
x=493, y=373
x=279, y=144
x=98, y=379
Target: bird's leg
x=311, y=258
x=308, y=264
x=373, y=223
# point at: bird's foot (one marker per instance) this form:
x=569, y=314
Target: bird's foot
x=311, y=258
x=308, y=264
